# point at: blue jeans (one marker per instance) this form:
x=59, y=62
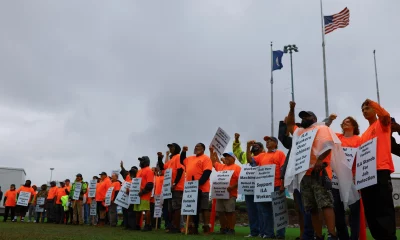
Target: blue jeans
x=308, y=233
x=267, y=214
x=254, y=218
x=86, y=212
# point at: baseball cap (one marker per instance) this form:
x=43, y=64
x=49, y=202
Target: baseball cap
x=229, y=154
x=67, y=180
x=304, y=114
x=266, y=138
x=79, y=175
x=103, y=173
x=144, y=158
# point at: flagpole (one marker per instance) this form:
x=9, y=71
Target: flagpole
x=272, y=94
x=376, y=79
x=324, y=63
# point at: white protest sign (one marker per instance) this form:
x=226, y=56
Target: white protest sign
x=39, y=209
x=247, y=180
x=166, y=188
x=134, y=197
x=157, y=212
x=93, y=208
x=303, y=149
x=366, y=165
x=158, y=200
x=350, y=154
x=220, y=184
x=92, y=188
x=40, y=201
x=265, y=177
x=189, y=200
x=125, y=186
x=23, y=198
x=335, y=181
x=108, y=196
x=220, y=141
x=279, y=208
x=77, y=191
x=122, y=199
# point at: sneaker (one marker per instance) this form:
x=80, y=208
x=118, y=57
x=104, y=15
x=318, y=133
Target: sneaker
x=14, y=220
x=22, y=220
x=332, y=237
x=34, y=221
x=251, y=236
x=319, y=238
x=28, y=221
x=266, y=237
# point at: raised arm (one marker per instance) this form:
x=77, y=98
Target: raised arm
x=290, y=122
x=123, y=171
x=183, y=154
x=214, y=157
x=383, y=115
x=159, y=160
x=248, y=151
x=237, y=150
x=328, y=121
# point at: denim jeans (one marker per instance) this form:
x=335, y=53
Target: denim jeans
x=253, y=214
x=308, y=233
x=340, y=218
x=86, y=212
x=266, y=211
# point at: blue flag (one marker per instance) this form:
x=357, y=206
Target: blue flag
x=277, y=60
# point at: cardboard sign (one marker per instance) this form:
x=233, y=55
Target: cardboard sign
x=40, y=201
x=93, y=208
x=157, y=212
x=303, y=149
x=23, y=198
x=134, y=197
x=247, y=180
x=366, y=165
x=108, y=196
x=166, y=188
x=158, y=200
x=77, y=191
x=265, y=179
x=189, y=200
x=220, y=184
x=92, y=188
x=220, y=141
x=122, y=199
x=39, y=209
x=350, y=154
x=279, y=208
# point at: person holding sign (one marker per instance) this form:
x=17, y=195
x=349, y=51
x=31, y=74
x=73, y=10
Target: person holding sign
x=309, y=162
x=129, y=217
x=102, y=187
x=177, y=185
x=40, y=201
x=50, y=203
x=199, y=167
x=112, y=209
x=78, y=189
x=32, y=207
x=23, y=208
x=255, y=218
x=61, y=191
x=158, y=182
x=377, y=198
x=68, y=214
x=9, y=202
x=350, y=142
x=226, y=207
x=277, y=158
x=146, y=186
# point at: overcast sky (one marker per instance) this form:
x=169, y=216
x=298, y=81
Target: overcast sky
x=84, y=84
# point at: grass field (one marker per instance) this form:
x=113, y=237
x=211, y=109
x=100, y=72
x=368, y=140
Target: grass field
x=28, y=231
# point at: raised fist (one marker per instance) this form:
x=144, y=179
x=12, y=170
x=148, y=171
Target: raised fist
x=237, y=135
x=292, y=104
x=185, y=149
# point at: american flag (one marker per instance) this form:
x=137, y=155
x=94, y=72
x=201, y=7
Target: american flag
x=338, y=20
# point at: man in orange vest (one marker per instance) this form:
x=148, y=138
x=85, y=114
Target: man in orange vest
x=50, y=203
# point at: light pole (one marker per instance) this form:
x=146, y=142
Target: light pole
x=51, y=173
x=290, y=49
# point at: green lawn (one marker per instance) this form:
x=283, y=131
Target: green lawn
x=35, y=231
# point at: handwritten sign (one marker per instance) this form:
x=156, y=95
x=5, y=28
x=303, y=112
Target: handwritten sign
x=157, y=212
x=189, y=200
x=247, y=180
x=77, y=191
x=279, y=208
x=335, y=180
x=366, y=165
x=92, y=188
x=122, y=199
x=23, y=198
x=220, y=184
x=158, y=200
x=40, y=201
x=166, y=188
x=93, y=208
x=302, y=150
x=39, y=209
x=134, y=197
x=265, y=177
x=108, y=196
x=220, y=141
x=350, y=154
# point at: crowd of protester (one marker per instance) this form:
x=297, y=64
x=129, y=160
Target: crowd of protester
x=313, y=195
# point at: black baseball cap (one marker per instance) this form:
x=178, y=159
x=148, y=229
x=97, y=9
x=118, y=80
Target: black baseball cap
x=79, y=175
x=144, y=158
x=103, y=173
x=304, y=114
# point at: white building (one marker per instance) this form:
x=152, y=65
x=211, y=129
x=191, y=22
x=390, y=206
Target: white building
x=10, y=176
